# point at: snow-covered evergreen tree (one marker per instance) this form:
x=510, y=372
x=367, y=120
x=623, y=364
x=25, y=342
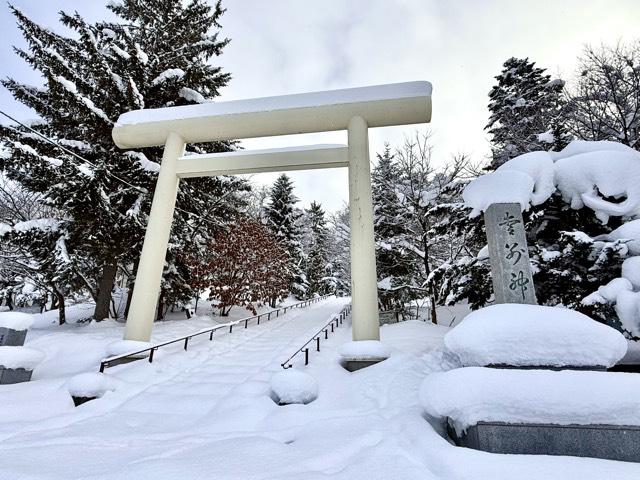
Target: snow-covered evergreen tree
x=526, y=111
x=394, y=266
x=318, y=272
x=283, y=221
x=339, y=251
x=158, y=53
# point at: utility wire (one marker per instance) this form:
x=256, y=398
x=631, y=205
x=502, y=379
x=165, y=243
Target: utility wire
x=70, y=152
x=114, y=176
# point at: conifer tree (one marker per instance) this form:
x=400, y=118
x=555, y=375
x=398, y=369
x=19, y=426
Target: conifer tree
x=394, y=267
x=318, y=272
x=526, y=111
x=157, y=53
x=282, y=219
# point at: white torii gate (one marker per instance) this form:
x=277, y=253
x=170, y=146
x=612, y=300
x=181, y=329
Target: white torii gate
x=353, y=109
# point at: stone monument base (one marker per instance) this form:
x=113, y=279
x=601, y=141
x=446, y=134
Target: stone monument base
x=14, y=375
x=612, y=442
x=354, y=365
x=77, y=401
x=11, y=337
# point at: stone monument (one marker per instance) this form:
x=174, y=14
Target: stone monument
x=508, y=254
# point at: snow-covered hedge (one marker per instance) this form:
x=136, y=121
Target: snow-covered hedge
x=364, y=350
x=20, y=357
x=89, y=385
x=470, y=395
x=16, y=320
x=293, y=386
x=585, y=173
x=533, y=335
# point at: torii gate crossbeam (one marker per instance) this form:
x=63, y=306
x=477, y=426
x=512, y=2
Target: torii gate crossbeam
x=354, y=110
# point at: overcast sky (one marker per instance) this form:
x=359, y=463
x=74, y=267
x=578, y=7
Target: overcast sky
x=291, y=46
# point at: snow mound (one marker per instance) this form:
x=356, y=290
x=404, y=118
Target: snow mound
x=539, y=166
x=611, y=290
x=89, y=385
x=20, y=357
x=629, y=232
x=587, y=178
x=474, y=394
x=631, y=271
x=585, y=146
x=364, y=350
x=16, y=320
x=628, y=310
x=126, y=346
x=506, y=186
x=533, y=335
x=604, y=176
x=293, y=386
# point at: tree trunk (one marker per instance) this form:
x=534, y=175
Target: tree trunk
x=160, y=311
x=434, y=313
x=62, y=314
x=10, y=300
x=54, y=302
x=105, y=287
x=129, y=296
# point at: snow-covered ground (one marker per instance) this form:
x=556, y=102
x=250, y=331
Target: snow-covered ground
x=207, y=413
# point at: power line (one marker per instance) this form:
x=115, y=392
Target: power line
x=70, y=152
x=114, y=176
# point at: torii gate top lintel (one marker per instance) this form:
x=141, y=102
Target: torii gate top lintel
x=354, y=109
x=380, y=106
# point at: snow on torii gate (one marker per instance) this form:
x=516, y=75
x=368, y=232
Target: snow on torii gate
x=353, y=109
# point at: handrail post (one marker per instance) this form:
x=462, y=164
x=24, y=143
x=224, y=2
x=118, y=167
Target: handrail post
x=186, y=343
x=231, y=328
x=211, y=335
x=318, y=344
x=151, y=355
x=306, y=356
x=246, y=322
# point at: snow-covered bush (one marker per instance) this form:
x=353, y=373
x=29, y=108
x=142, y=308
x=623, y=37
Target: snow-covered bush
x=580, y=207
x=532, y=335
x=293, y=386
x=92, y=385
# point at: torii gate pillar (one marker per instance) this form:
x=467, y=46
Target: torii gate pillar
x=364, y=280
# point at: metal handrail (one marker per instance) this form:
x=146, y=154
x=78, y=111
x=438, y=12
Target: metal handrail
x=107, y=362
x=337, y=319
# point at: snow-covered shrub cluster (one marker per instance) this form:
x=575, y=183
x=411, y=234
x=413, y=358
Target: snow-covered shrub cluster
x=293, y=386
x=533, y=335
x=90, y=384
x=580, y=207
x=604, y=176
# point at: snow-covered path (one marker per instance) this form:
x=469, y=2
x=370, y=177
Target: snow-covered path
x=162, y=407
x=206, y=413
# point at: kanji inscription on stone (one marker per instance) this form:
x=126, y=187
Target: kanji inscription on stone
x=508, y=254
